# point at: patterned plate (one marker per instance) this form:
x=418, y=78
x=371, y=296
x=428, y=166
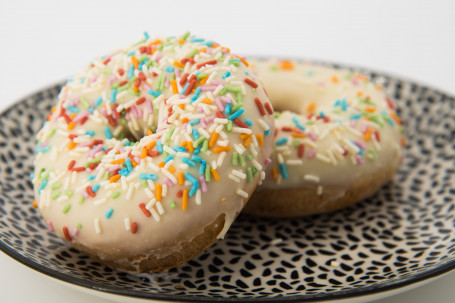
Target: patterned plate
x=402, y=235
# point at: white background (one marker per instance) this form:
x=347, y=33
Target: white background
x=42, y=42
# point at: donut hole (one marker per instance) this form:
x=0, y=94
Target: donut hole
x=290, y=105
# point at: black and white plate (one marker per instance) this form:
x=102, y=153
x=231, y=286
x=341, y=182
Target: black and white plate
x=402, y=236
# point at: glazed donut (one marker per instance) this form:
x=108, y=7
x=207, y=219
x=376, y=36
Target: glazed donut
x=152, y=151
x=337, y=140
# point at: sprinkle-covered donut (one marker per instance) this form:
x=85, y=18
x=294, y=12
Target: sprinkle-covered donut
x=152, y=151
x=337, y=140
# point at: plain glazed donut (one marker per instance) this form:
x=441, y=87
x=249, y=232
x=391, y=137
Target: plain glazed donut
x=338, y=139
x=152, y=151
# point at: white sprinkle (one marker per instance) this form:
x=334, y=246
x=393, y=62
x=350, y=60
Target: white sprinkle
x=155, y=215
x=97, y=226
x=294, y=162
x=74, y=177
x=160, y=208
x=332, y=157
x=66, y=184
x=221, y=121
x=58, y=177
x=129, y=193
x=256, y=164
x=164, y=191
x=280, y=158
x=150, y=204
x=264, y=125
x=127, y=222
x=309, y=143
x=311, y=178
x=100, y=174
x=218, y=89
x=242, y=193
x=242, y=130
x=124, y=184
x=169, y=150
x=319, y=190
x=62, y=198
x=239, y=148
x=239, y=174
x=203, y=132
x=253, y=149
x=100, y=201
x=148, y=192
x=198, y=197
x=234, y=178
x=322, y=158
x=221, y=158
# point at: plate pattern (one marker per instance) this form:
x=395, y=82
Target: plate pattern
x=402, y=234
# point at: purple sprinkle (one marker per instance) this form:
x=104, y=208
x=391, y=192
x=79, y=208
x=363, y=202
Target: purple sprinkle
x=268, y=161
x=219, y=104
x=359, y=144
x=226, y=99
x=312, y=136
x=208, y=88
x=149, y=106
x=81, y=116
x=203, y=184
x=75, y=232
x=312, y=153
x=177, y=73
x=359, y=159
x=50, y=225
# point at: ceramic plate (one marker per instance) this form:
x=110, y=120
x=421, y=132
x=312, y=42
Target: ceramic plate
x=402, y=235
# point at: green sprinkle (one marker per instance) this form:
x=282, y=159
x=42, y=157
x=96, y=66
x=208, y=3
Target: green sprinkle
x=172, y=204
x=124, y=87
x=144, y=183
x=249, y=157
x=55, y=195
x=106, y=175
x=66, y=208
x=52, y=133
x=273, y=67
x=234, y=62
x=132, y=92
x=223, y=91
x=163, y=82
x=115, y=195
x=337, y=111
x=153, y=128
x=81, y=200
x=276, y=115
x=296, y=143
x=254, y=170
x=84, y=102
x=207, y=173
x=239, y=97
x=79, y=226
x=115, y=85
x=198, y=141
x=229, y=126
x=45, y=174
x=235, y=158
x=372, y=153
x=249, y=173
x=185, y=35
x=205, y=145
x=56, y=186
x=69, y=192
x=236, y=107
x=242, y=161
x=106, y=71
x=200, y=76
x=169, y=134
x=193, y=53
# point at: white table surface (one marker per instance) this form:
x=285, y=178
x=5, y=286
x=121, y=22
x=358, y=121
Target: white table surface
x=42, y=42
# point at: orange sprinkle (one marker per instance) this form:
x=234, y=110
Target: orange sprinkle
x=370, y=109
x=35, y=204
x=395, y=117
x=335, y=79
x=149, y=132
x=216, y=177
x=72, y=145
x=135, y=89
x=298, y=135
x=213, y=139
x=367, y=134
x=287, y=65
x=184, y=120
x=71, y=125
x=220, y=149
x=359, y=94
x=151, y=145
x=158, y=41
x=158, y=189
x=171, y=169
x=204, y=80
x=361, y=77
x=207, y=100
x=53, y=109
x=161, y=164
x=203, y=50
x=310, y=107
x=178, y=64
x=403, y=141
x=135, y=61
x=228, y=50
x=180, y=178
x=378, y=87
x=185, y=199
x=175, y=90
x=247, y=141
x=118, y=161
x=244, y=136
x=243, y=61
x=114, y=178
x=134, y=163
x=274, y=173
x=190, y=147
x=181, y=41
x=260, y=139
x=182, y=106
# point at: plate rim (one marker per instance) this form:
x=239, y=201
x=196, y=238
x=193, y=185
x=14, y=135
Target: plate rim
x=373, y=289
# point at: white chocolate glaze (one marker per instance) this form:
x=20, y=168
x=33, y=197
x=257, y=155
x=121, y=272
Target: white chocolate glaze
x=333, y=127
x=124, y=197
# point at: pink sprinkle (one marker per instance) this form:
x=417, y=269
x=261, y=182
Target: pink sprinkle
x=168, y=182
x=312, y=136
x=177, y=73
x=120, y=149
x=135, y=112
x=359, y=159
x=74, y=102
x=137, y=159
x=84, y=193
x=149, y=106
x=208, y=88
x=94, y=151
x=104, y=112
x=75, y=232
x=111, y=80
x=203, y=184
x=353, y=123
x=113, y=54
x=226, y=99
x=202, y=122
x=359, y=144
x=320, y=84
x=355, y=82
x=268, y=161
x=81, y=116
x=84, y=144
x=216, y=82
x=158, y=58
x=364, y=128
x=44, y=144
x=167, y=83
x=219, y=104
x=146, y=86
x=115, y=167
x=93, y=80
x=50, y=225
x=312, y=153
x=199, y=110
x=209, y=119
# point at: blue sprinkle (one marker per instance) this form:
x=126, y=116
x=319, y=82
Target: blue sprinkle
x=281, y=141
x=179, y=149
x=44, y=149
x=146, y=35
x=169, y=69
x=355, y=117
x=194, y=121
x=127, y=143
x=226, y=74
x=91, y=110
x=249, y=122
x=196, y=94
x=197, y=73
x=131, y=53
x=42, y=186
x=129, y=166
x=195, y=134
x=234, y=60
x=344, y=104
x=197, y=40
x=236, y=114
x=267, y=132
x=154, y=93
x=91, y=177
x=32, y=176
x=227, y=109
x=73, y=109
x=148, y=177
x=297, y=123
x=202, y=167
x=168, y=158
x=90, y=133
x=208, y=43
x=95, y=188
x=337, y=103
x=107, y=132
x=98, y=102
x=113, y=95
x=193, y=189
x=131, y=71
x=188, y=161
x=124, y=172
x=197, y=150
x=82, y=80
x=196, y=158
x=284, y=172
x=322, y=114
x=190, y=178
x=159, y=147
x=184, y=89
x=109, y=213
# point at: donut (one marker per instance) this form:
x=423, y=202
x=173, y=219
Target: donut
x=152, y=151
x=337, y=140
